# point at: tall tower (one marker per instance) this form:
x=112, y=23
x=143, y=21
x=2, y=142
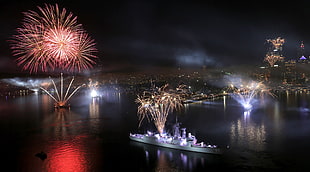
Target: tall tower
x=301, y=51
x=274, y=53
x=301, y=54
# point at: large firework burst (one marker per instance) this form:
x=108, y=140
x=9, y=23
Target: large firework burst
x=157, y=104
x=272, y=59
x=52, y=39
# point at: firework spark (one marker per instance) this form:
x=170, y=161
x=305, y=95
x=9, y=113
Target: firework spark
x=52, y=39
x=277, y=43
x=274, y=53
x=156, y=106
x=272, y=59
x=61, y=100
x=245, y=94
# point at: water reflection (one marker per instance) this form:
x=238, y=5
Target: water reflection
x=175, y=160
x=46, y=103
x=61, y=123
x=67, y=155
x=111, y=95
x=70, y=145
x=277, y=118
x=247, y=134
x=94, y=108
x=224, y=102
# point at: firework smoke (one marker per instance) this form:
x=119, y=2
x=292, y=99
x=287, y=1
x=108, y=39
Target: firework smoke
x=30, y=83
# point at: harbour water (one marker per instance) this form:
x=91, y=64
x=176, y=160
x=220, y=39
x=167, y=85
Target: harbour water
x=93, y=135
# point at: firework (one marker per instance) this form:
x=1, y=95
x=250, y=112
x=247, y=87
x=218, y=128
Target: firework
x=272, y=59
x=277, y=43
x=245, y=94
x=52, y=39
x=156, y=106
x=93, y=86
x=28, y=45
x=61, y=100
x=274, y=53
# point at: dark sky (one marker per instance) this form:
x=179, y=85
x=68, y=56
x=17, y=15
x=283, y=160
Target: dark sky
x=175, y=33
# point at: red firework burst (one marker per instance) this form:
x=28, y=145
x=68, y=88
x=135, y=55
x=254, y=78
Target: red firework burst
x=52, y=39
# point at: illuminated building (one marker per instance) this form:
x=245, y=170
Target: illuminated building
x=289, y=75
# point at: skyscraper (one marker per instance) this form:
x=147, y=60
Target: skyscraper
x=301, y=58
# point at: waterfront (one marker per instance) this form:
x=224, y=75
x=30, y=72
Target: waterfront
x=93, y=134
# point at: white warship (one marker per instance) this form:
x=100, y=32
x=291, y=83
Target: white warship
x=181, y=141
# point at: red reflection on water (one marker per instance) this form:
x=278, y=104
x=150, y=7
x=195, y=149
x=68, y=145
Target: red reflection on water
x=67, y=156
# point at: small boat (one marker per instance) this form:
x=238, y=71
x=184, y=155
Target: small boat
x=61, y=105
x=181, y=142
x=42, y=155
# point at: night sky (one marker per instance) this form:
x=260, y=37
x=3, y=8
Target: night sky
x=175, y=33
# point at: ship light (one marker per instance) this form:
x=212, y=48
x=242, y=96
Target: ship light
x=157, y=136
x=183, y=142
x=149, y=133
